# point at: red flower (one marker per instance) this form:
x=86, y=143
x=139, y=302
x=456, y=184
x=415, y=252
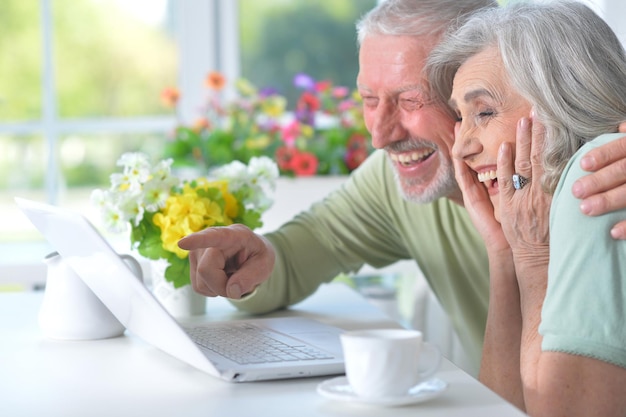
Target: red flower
x=170, y=96
x=304, y=164
x=215, y=80
x=201, y=124
x=357, y=141
x=284, y=157
x=308, y=102
x=355, y=157
x=356, y=151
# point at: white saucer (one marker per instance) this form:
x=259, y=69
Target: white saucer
x=339, y=389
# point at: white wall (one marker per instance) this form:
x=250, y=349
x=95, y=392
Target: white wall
x=613, y=12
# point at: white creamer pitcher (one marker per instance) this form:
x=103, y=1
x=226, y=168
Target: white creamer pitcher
x=70, y=310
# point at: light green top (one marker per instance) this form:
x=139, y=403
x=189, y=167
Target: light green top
x=368, y=221
x=585, y=305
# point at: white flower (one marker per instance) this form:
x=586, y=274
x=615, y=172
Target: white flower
x=258, y=200
x=136, y=167
x=163, y=170
x=235, y=172
x=156, y=192
x=99, y=198
x=233, y=169
x=120, y=183
x=114, y=219
x=262, y=174
x=265, y=170
x=133, y=160
x=130, y=205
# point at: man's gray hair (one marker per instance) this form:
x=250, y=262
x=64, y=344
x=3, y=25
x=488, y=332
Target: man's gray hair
x=417, y=17
x=561, y=57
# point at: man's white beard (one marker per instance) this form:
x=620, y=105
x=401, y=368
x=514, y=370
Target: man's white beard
x=444, y=185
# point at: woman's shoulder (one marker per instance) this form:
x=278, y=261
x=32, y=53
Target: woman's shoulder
x=596, y=143
x=573, y=170
x=565, y=208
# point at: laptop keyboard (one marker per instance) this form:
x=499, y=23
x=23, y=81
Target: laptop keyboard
x=249, y=344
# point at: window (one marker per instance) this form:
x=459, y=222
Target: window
x=80, y=83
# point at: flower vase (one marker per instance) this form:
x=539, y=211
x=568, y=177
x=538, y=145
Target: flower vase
x=179, y=302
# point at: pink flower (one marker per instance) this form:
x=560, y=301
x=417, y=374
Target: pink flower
x=290, y=132
x=322, y=86
x=340, y=92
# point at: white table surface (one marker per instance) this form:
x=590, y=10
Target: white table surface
x=124, y=376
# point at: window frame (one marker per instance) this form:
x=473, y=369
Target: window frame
x=207, y=38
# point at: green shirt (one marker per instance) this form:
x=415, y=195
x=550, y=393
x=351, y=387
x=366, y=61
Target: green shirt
x=368, y=221
x=585, y=305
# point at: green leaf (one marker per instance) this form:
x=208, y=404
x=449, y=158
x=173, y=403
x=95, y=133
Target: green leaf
x=178, y=271
x=252, y=219
x=213, y=194
x=147, y=239
x=218, y=148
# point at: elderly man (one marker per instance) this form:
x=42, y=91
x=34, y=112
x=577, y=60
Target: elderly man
x=403, y=203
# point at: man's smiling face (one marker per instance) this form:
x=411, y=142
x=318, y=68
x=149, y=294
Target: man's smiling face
x=402, y=119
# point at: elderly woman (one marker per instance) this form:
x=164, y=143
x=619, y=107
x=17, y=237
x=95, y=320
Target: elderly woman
x=556, y=338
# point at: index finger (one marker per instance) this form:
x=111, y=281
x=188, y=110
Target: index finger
x=216, y=236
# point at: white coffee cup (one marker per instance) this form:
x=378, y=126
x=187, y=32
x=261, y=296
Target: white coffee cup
x=383, y=363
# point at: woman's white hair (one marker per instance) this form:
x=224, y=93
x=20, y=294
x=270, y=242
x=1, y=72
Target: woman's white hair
x=417, y=17
x=561, y=56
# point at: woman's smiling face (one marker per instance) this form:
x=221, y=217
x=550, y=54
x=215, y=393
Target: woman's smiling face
x=488, y=109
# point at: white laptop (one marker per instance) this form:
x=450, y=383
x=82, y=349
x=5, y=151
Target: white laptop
x=314, y=348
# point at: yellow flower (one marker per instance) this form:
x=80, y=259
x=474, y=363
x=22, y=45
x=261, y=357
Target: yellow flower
x=245, y=87
x=231, y=207
x=258, y=142
x=184, y=214
x=170, y=235
x=307, y=131
x=274, y=106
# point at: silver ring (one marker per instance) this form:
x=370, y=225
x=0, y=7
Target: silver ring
x=519, y=181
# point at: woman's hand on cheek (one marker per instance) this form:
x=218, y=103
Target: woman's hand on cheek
x=476, y=201
x=524, y=214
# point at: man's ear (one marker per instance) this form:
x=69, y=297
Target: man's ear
x=622, y=127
